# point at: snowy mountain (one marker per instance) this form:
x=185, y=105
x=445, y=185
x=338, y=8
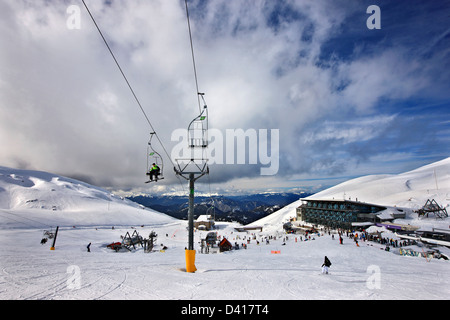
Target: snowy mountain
x=407, y=190
x=244, y=208
x=29, y=196
x=410, y=189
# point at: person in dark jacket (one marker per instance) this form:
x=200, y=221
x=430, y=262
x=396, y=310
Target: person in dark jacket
x=326, y=264
x=89, y=247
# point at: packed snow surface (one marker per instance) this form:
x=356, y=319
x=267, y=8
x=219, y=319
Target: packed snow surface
x=288, y=267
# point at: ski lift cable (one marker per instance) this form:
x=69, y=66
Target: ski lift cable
x=193, y=56
x=33, y=223
x=126, y=80
x=25, y=218
x=118, y=65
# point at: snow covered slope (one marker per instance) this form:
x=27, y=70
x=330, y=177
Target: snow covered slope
x=409, y=190
x=274, y=221
x=287, y=267
x=30, y=196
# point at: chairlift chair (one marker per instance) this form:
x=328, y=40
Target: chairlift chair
x=48, y=234
x=211, y=211
x=198, y=128
x=154, y=157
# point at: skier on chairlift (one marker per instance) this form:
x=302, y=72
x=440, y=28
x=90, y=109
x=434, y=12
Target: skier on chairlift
x=154, y=172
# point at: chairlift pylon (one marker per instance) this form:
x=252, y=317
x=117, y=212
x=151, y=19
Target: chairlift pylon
x=155, y=163
x=197, y=138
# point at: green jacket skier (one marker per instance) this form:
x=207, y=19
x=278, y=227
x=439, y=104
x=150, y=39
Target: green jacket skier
x=154, y=172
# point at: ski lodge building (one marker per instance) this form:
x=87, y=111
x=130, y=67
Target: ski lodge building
x=204, y=222
x=345, y=213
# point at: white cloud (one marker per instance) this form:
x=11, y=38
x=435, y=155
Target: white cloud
x=348, y=131
x=65, y=107
x=389, y=75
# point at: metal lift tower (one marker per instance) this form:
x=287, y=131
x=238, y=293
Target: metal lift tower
x=192, y=169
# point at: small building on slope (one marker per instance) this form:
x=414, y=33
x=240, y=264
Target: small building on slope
x=204, y=222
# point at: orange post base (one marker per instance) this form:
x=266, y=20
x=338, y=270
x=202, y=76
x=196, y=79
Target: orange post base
x=190, y=261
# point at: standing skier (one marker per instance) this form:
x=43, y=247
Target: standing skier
x=89, y=247
x=326, y=264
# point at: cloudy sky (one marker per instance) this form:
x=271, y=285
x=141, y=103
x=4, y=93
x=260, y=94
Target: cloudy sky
x=347, y=100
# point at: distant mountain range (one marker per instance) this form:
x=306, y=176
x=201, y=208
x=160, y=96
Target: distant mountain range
x=242, y=208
